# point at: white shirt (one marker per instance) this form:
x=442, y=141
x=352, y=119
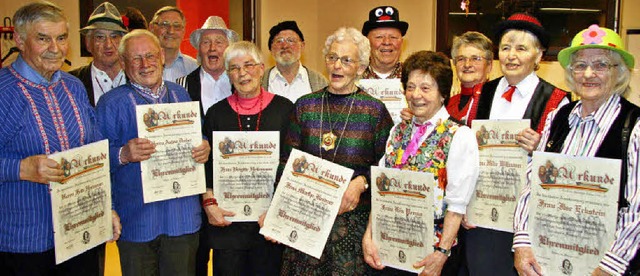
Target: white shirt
x=297, y=88
x=102, y=83
x=212, y=91
x=182, y=66
x=502, y=109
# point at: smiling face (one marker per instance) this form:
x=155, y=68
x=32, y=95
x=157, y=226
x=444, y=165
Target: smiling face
x=44, y=46
x=103, y=46
x=385, y=47
x=211, y=50
x=142, y=61
x=342, y=76
x=423, y=95
x=471, y=72
x=169, y=28
x=519, y=54
x=245, y=75
x=593, y=86
x=287, y=47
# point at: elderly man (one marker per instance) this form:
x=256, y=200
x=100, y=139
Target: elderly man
x=210, y=84
x=289, y=78
x=384, y=31
x=168, y=25
x=102, y=36
x=159, y=236
x=44, y=111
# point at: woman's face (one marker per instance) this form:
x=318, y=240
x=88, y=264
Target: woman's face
x=245, y=75
x=471, y=66
x=423, y=95
x=342, y=75
x=518, y=55
x=592, y=85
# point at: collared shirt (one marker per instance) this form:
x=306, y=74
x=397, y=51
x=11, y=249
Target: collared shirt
x=502, y=109
x=396, y=73
x=213, y=91
x=102, y=83
x=298, y=87
x=182, y=66
x=584, y=138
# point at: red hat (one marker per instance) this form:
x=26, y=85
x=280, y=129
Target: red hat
x=526, y=22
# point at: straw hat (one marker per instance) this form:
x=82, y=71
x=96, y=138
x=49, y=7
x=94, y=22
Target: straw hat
x=213, y=23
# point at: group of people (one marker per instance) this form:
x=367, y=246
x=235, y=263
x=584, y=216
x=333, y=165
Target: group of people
x=47, y=111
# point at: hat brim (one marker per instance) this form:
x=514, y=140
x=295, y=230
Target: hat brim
x=103, y=26
x=400, y=25
x=565, y=54
x=230, y=34
x=536, y=30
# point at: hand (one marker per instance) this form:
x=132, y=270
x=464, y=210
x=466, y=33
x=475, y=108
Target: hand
x=261, y=224
x=40, y=169
x=525, y=262
x=528, y=139
x=136, y=150
x=370, y=250
x=117, y=227
x=351, y=196
x=406, y=114
x=201, y=153
x=215, y=215
x=466, y=224
x=599, y=272
x=433, y=264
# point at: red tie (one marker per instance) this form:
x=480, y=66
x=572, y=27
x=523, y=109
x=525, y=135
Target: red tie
x=507, y=95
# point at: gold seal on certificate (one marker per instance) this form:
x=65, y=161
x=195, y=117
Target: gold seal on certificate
x=81, y=201
x=503, y=165
x=573, y=211
x=306, y=203
x=244, y=171
x=389, y=91
x=402, y=216
x=175, y=129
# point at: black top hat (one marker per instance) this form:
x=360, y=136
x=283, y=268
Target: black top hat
x=523, y=21
x=384, y=16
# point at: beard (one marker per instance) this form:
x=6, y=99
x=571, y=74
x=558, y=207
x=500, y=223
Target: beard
x=288, y=59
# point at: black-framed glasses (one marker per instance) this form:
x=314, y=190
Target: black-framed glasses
x=345, y=60
x=472, y=59
x=597, y=66
x=247, y=67
x=166, y=25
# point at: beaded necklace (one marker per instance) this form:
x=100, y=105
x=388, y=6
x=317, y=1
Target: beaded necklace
x=238, y=106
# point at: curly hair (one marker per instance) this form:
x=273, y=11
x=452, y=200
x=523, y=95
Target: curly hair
x=436, y=64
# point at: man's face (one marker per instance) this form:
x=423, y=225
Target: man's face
x=211, y=48
x=169, y=28
x=385, y=46
x=142, y=61
x=44, y=46
x=103, y=46
x=287, y=47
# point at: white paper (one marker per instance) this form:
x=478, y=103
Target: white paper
x=389, y=91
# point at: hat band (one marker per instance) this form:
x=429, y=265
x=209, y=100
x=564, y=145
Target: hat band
x=105, y=19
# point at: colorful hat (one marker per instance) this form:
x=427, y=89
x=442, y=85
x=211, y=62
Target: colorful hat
x=284, y=25
x=212, y=23
x=523, y=21
x=107, y=17
x=384, y=16
x=596, y=37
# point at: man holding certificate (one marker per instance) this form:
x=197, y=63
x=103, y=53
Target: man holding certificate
x=601, y=124
x=434, y=143
x=160, y=235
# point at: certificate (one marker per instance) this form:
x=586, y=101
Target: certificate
x=306, y=203
x=81, y=201
x=389, y=91
x=175, y=129
x=503, y=166
x=573, y=211
x=402, y=216
x=244, y=171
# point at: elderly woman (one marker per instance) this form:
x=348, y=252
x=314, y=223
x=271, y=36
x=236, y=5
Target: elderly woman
x=426, y=78
x=598, y=70
x=519, y=94
x=237, y=247
x=345, y=125
x=472, y=54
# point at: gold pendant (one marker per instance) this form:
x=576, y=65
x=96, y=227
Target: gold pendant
x=328, y=141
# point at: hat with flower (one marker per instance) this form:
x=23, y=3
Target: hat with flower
x=599, y=38
x=526, y=22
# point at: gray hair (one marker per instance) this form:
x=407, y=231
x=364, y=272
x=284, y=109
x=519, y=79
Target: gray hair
x=168, y=9
x=623, y=76
x=34, y=12
x=536, y=42
x=240, y=49
x=473, y=39
x=136, y=33
x=229, y=35
x=353, y=35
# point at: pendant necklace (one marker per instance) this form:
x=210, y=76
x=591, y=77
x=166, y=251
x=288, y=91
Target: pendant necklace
x=329, y=139
x=238, y=106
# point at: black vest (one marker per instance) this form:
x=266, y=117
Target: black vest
x=613, y=146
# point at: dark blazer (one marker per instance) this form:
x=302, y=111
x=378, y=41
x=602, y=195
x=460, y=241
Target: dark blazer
x=84, y=74
x=191, y=83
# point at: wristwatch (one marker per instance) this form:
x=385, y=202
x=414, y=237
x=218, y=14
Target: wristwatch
x=446, y=252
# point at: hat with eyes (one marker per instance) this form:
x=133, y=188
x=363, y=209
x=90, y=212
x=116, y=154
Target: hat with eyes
x=107, y=17
x=384, y=16
x=596, y=37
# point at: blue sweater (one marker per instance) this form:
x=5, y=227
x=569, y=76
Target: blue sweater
x=141, y=222
x=31, y=108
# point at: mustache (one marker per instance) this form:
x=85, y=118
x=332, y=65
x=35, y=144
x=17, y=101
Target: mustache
x=52, y=55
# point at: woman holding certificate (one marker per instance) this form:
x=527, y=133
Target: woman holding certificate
x=601, y=124
x=432, y=142
x=342, y=124
x=238, y=247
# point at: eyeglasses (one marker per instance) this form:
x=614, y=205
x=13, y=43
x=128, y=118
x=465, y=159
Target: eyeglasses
x=247, y=67
x=149, y=57
x=333, y=58
x=459, y=60
x=102, y=38
x=283, y=40
x=167, y=25
x=598, y=66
